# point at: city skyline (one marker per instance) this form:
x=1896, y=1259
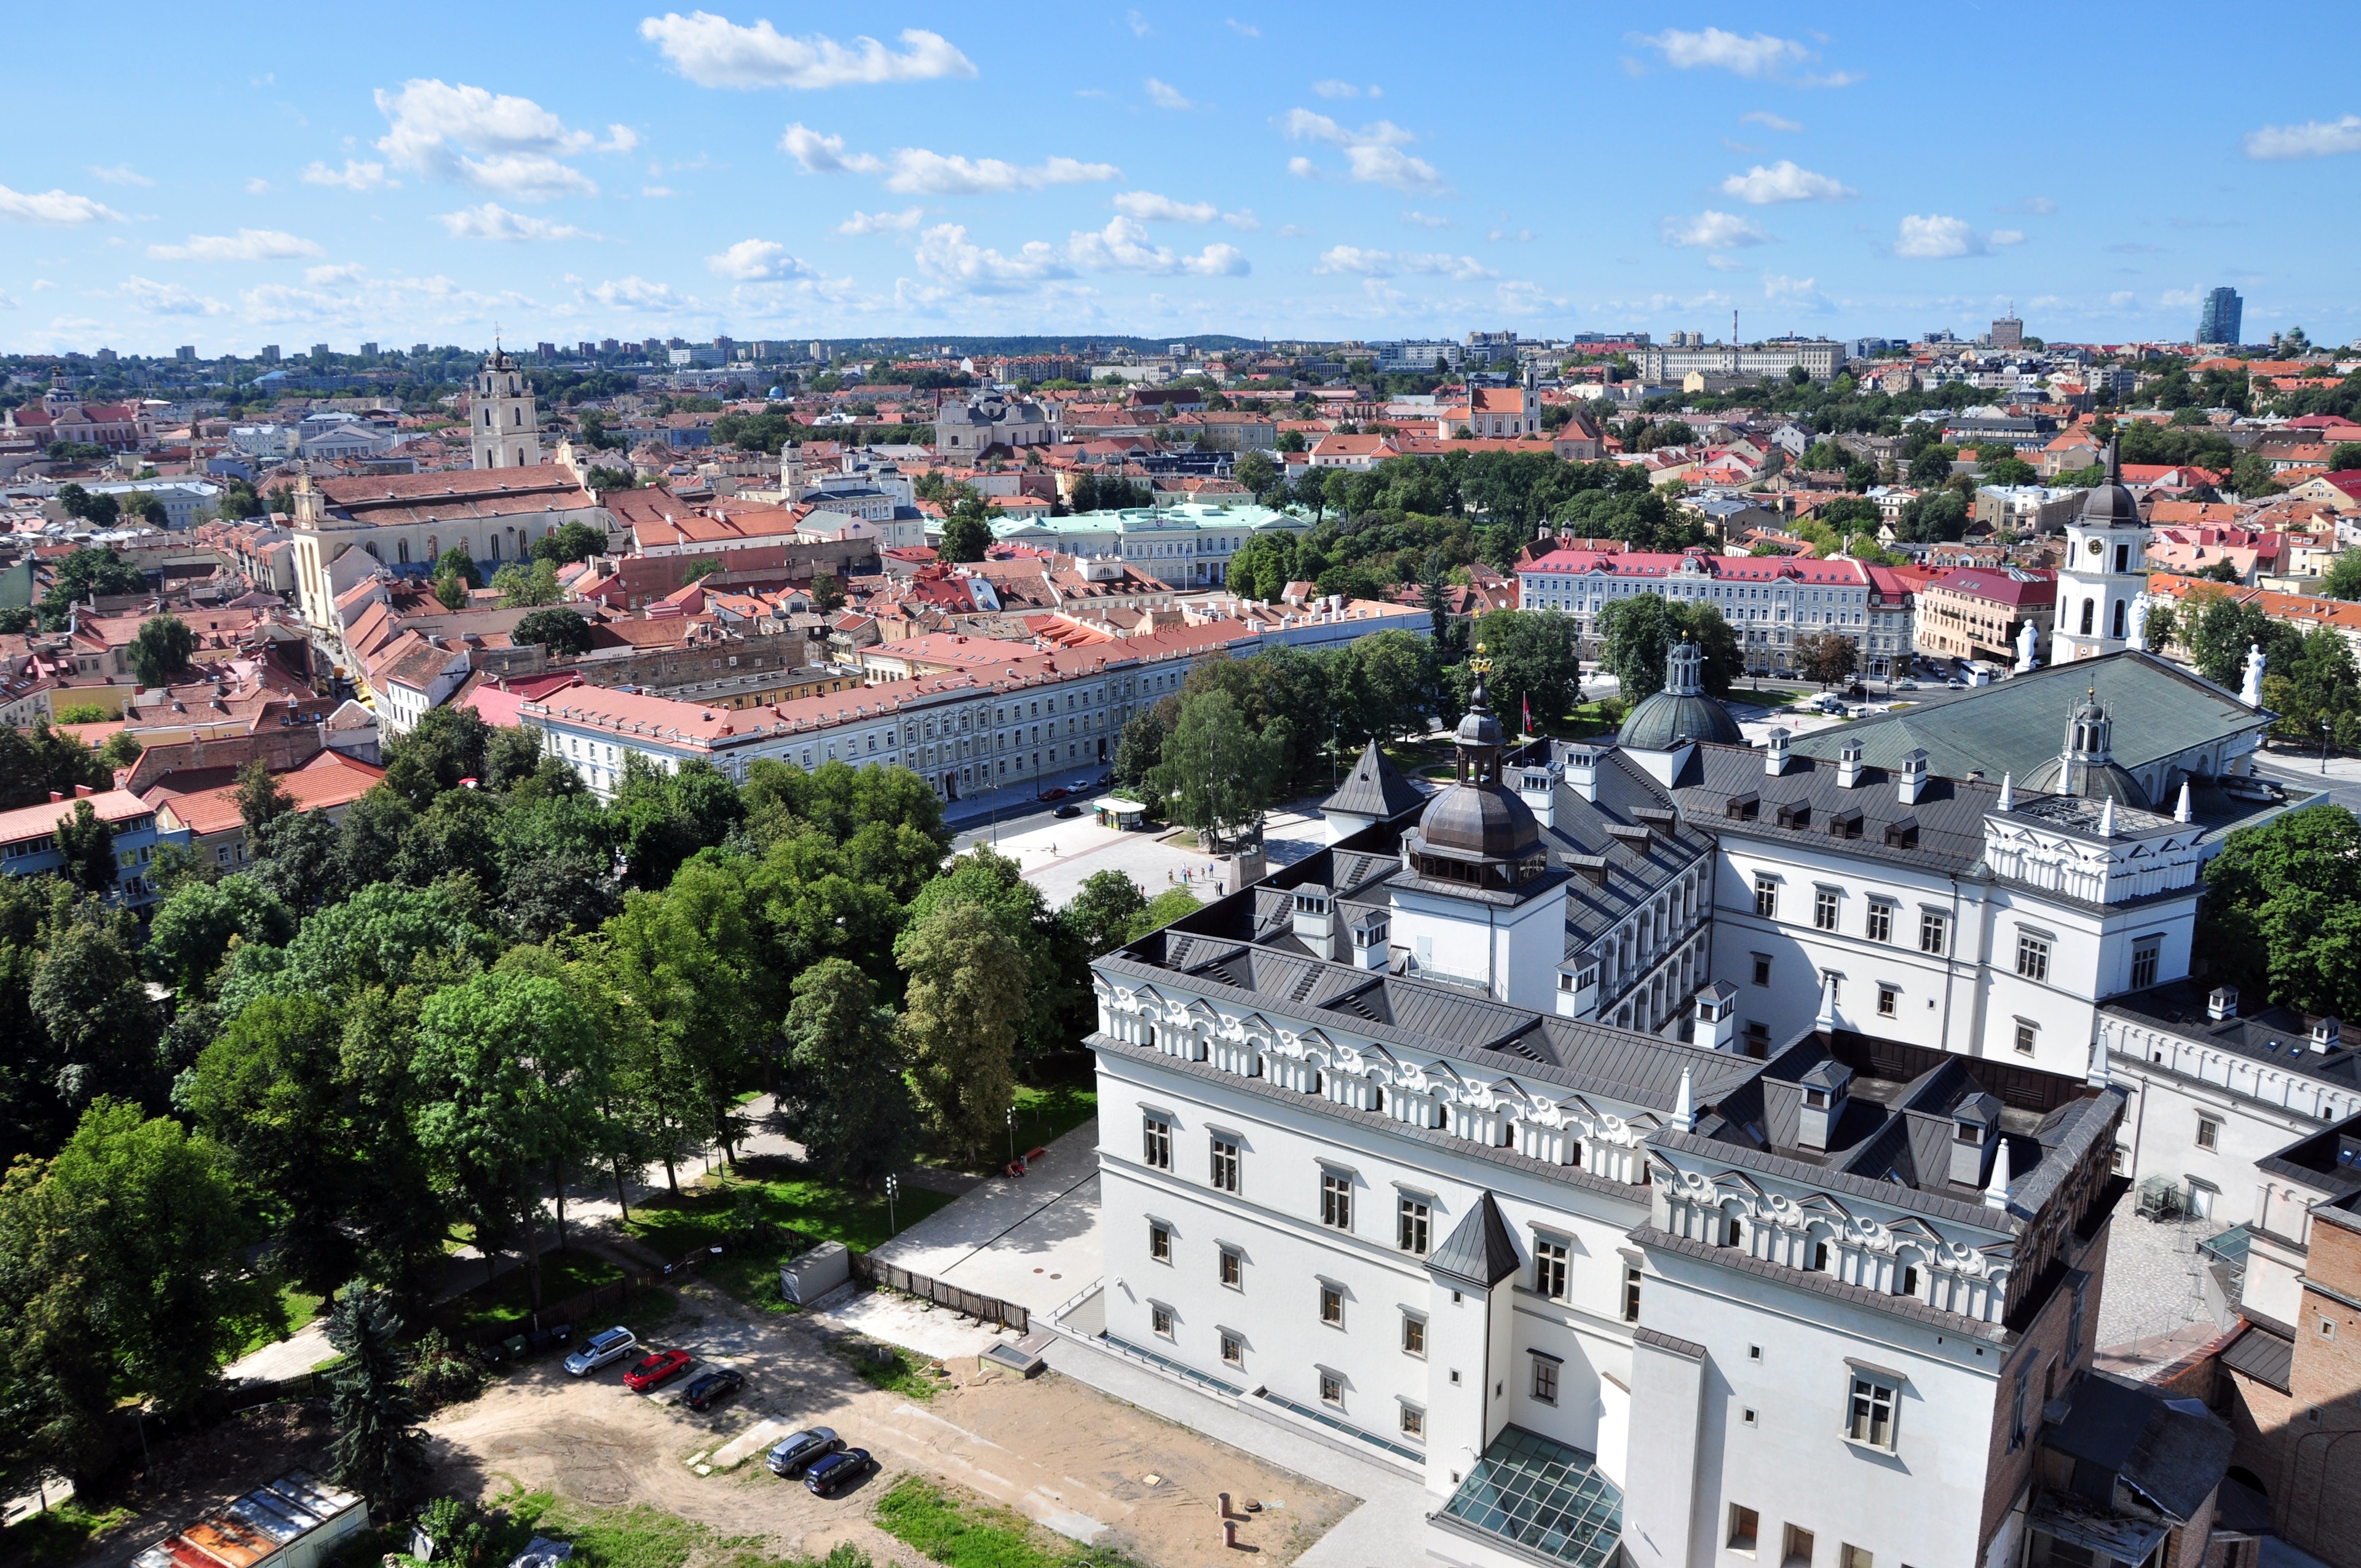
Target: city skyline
x=1154, y=171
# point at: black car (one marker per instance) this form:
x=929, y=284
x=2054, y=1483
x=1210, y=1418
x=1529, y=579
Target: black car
x=1068, y=809
x=712, y=1389
x=795, y=1453
x=838, y=1471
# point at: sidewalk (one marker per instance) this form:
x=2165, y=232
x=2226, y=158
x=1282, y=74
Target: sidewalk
x=1030, y=1239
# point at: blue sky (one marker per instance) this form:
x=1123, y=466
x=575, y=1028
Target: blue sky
x=301, y=174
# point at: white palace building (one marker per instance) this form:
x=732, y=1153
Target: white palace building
x=1674, y=1152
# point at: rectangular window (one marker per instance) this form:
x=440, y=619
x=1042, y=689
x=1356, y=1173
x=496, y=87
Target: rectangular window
x=1745, y=1526
x=1796, y=1546
x=1233, y=1268
x=1159, y=1319
x=2032, y=956
x=2145, y=953
x=2016, y=1407
x=1872, y=1420
x=1336, y=1201
x=1413, y=1421
x=1544, y=1380
x=1160, y=1243
x=1549, y=1269
x=1851, y=1556
x=1413, y=1229
x=1631, y=1293
x=1225, y=1164
x=1824, y=908
x=1332, y=1306
x=2208, y=1133
x=1761, y=969
x=1156, y=1141
x=1934, y=933
x=1888, y=1000
x=1234, y=1350
x=1332, y=1389
x=1766, y=897
x=2074, y=1324
x=1414, y=1334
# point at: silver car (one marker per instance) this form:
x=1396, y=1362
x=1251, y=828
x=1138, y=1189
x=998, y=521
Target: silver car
x=602, y=1349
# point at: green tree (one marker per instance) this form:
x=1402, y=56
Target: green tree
x=40, y=759
x=192, y=931
x=85, y=572
x=1099, y=916
x=962, y=1006
x=2010, y=470
x=1166, y=907
x=967, y=531
x=2221, y=628
x=380, y=1450
x=1140, y=747
x=457, y=563
x=1638, y=634
x=295, y=858
x=2345, y=456
x=2253, y=475
x=1217, y=773
x=1827, y=657
x=574, y=541
x=845, y=1099
x=563, y=631
x=1257, y=473
x=1536, y=664
x=87, y=844
x=113, y=1257
x=513, y=1069
x=160, y=650
x=2317, y=694
x=2281, y=915
x=261, y=800
x=523, y=585
x=2342, y=579
x=451, y=591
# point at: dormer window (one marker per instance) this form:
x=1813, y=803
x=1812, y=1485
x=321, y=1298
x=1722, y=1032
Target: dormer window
x=1818, y=1099
x=1968, y=1132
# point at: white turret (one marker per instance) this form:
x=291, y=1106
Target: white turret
x=2101, y=576
x=503, y=430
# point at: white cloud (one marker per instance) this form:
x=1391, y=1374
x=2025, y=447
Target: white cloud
x=1331, y=88
x=758, y=261
x=494, y=142
x=1166, y=97
x=2005, y=236
x=1425, y=221
x=1124, y=245
x=1784, y=181
x=1150, y=207
x=917, y=172
x=1713, y=231
x=257, y=186
x=337, y=273
x=40, y=284
x=168, y=298
x=946, y=254
x=714, y=51
x=657, y=191
x=1359, y=262
x=861, y=224
x=2121, y=298
x=1938, y=238
x=1762, y=56
x=2179, y=297
x=1138, y=25
x=492, y=221
x=637, y=292
x=1769, y=121
x=1292, y=231
x=1373, y=152
x=1721, y=263
x=246, y=245
x=2039, y=206
x=1244, y=30
x=2314, y=138
x=356, y=175
x=1794, y=292
x=7, y=302
x=824, y=154
x=58, y=207
x=121, y=174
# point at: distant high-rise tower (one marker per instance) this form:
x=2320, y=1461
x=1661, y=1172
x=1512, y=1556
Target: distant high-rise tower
x=2008, y=332
x=2219, y=319
x=504, y=429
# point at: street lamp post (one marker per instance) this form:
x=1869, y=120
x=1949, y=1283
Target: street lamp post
x=1012, y=1135
x=893, y=1191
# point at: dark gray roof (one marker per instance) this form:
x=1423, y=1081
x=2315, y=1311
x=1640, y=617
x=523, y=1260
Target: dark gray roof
x=1663, y=721
x=1479, y=1251
x=1375, y=788
x=2172, y=1452
x=2160, y=710
x=2263, y=1356
x=2329, y=1161
x=1944, y=827
x=2271, y=1035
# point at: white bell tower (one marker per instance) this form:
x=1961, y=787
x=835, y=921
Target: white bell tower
x=2103, y=571
x=503, y=429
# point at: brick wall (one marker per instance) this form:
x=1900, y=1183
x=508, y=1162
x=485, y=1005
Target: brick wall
x=281, y=749
x=2042, y=1349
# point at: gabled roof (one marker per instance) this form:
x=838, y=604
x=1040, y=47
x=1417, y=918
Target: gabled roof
x=1481, y=1251
x=1373, y=789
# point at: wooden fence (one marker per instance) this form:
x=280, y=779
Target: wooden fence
x=983, y=1308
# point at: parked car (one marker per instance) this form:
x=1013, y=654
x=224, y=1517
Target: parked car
x=1055, y=792
x=838, y=1471
x=657, y=1369
x=1068, y=809
x=602, y=1349
x=1905, y=685
x=712, y=1389
x=794, y=1453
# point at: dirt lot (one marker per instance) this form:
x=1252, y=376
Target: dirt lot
x=1061, y=1454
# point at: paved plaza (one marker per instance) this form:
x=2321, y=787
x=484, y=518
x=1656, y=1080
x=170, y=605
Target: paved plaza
x=1058, y=855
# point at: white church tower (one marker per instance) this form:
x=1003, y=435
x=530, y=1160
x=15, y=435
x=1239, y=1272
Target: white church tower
x=504, y=431
x=2103, y=571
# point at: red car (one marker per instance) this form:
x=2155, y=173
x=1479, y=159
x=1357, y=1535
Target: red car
x=660, y=1367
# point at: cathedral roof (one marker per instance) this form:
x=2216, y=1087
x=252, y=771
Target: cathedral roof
x=1375, y=788
x=1664, y=721
x=2111, y=503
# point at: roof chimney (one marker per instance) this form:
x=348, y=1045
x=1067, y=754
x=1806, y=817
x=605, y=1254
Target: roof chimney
x=1774, y=760
x=1849, y=763
x=2326, y=1033
x=1912, y=780
x=2222, y=1002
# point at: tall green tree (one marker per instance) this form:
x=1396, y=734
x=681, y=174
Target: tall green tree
x=964, y=1001
x=2221, y=628
x=86, y=843
x=967, y=531
x=380, y=1450
x=1639, y=633
x=2281, y=915
x=160, y=650
x=37, y=760
x=1536, y=660
x=842, y=1094
x=1217, y=773
x=1098, y=917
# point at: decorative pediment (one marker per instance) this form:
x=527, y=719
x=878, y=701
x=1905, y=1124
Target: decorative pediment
x=1736, y=1179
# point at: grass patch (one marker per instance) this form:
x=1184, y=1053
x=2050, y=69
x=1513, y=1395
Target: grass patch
x=1052, y=1110
x=507, y=1298
x=60, y=1535
x=266, y=1309
x=701, y=1216
x=964, y=1535
x=892, y=1370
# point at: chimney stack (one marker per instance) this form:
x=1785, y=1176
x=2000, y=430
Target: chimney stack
x=1849, y=763
x=2222, y=1002
x=1912, y=780
x=1774, y=760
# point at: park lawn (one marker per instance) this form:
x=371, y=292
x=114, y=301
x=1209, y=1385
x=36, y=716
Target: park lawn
x=268, y=1310
x=965, y=1534
x=507, y=1298
x=700, y=1219
x=60, y=1535
x=1051, y=1110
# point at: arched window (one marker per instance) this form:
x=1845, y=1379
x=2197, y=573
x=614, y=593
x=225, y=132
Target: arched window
x=2118, y=632
x=492, y=547
x=2089, y=608
x=403, y=546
